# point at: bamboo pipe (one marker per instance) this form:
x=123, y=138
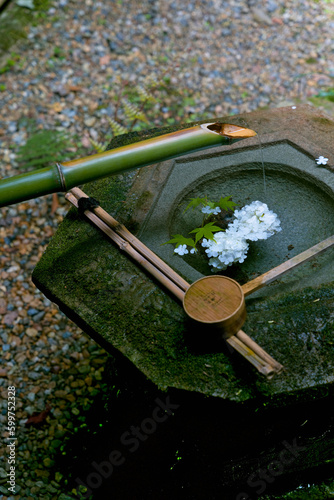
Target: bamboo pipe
x=65, y=176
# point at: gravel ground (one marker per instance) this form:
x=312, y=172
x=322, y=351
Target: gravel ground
x=223, y=58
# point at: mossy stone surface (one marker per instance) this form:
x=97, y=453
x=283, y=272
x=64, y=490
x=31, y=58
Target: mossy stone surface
x=128, y=313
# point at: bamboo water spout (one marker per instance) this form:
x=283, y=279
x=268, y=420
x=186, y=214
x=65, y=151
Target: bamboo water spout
x=65, y=176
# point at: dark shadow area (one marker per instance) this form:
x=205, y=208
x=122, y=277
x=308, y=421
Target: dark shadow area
x=140, y=443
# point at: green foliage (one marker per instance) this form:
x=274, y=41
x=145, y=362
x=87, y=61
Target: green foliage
x=98, y=146
x=116, y=127
x=205, y=231
x=11, y=61
x=226, y=204
x=327, y=94
x=178, y=239
x=144, y=94
x=195, y=202
x=59, y=52
x=138, y=107
x=208, y=227
x=42, y=4
x=133, y=112
x=42, y=148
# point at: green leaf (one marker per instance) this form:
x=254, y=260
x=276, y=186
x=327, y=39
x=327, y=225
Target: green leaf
x=178, y=239
x=226, y=203
x=206, y=231
x=211, y=204
x=195, y=202
x=144, y=94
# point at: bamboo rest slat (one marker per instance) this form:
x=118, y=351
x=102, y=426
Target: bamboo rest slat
x=122, y=231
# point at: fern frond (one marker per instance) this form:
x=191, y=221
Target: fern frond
x=144, y=94
x=100, y=148
x=153, y=83
x=117, y=128
x=132, y=112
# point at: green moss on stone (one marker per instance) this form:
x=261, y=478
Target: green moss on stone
x=324, y=121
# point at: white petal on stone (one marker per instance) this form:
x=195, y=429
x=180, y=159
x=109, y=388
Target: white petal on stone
x=321, y=160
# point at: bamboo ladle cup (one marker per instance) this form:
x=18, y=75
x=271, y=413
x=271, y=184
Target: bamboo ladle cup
x=217, y=302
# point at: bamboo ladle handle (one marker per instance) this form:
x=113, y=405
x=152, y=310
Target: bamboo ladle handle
x=277, y=272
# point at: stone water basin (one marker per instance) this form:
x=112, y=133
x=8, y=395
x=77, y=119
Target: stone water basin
x=128, y=312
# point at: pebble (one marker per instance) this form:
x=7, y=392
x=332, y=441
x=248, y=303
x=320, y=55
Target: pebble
x=31, y=396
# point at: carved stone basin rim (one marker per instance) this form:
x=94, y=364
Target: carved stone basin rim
x=293, y=186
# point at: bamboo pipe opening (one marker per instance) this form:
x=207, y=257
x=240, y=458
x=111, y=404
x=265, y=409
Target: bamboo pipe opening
x=229, y=130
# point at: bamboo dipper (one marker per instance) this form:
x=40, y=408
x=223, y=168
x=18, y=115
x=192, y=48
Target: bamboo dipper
x=218, y=302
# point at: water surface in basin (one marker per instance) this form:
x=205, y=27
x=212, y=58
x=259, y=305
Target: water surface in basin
x=304, y=207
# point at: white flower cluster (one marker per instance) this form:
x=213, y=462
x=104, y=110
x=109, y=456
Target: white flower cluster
x=253, y=222
x=225, y=250
x=208, y=210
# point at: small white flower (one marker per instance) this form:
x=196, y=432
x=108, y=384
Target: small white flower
x=321, y=160
x=193, y=250
x=208, y=210
x=293, y=107
x=181, y=250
